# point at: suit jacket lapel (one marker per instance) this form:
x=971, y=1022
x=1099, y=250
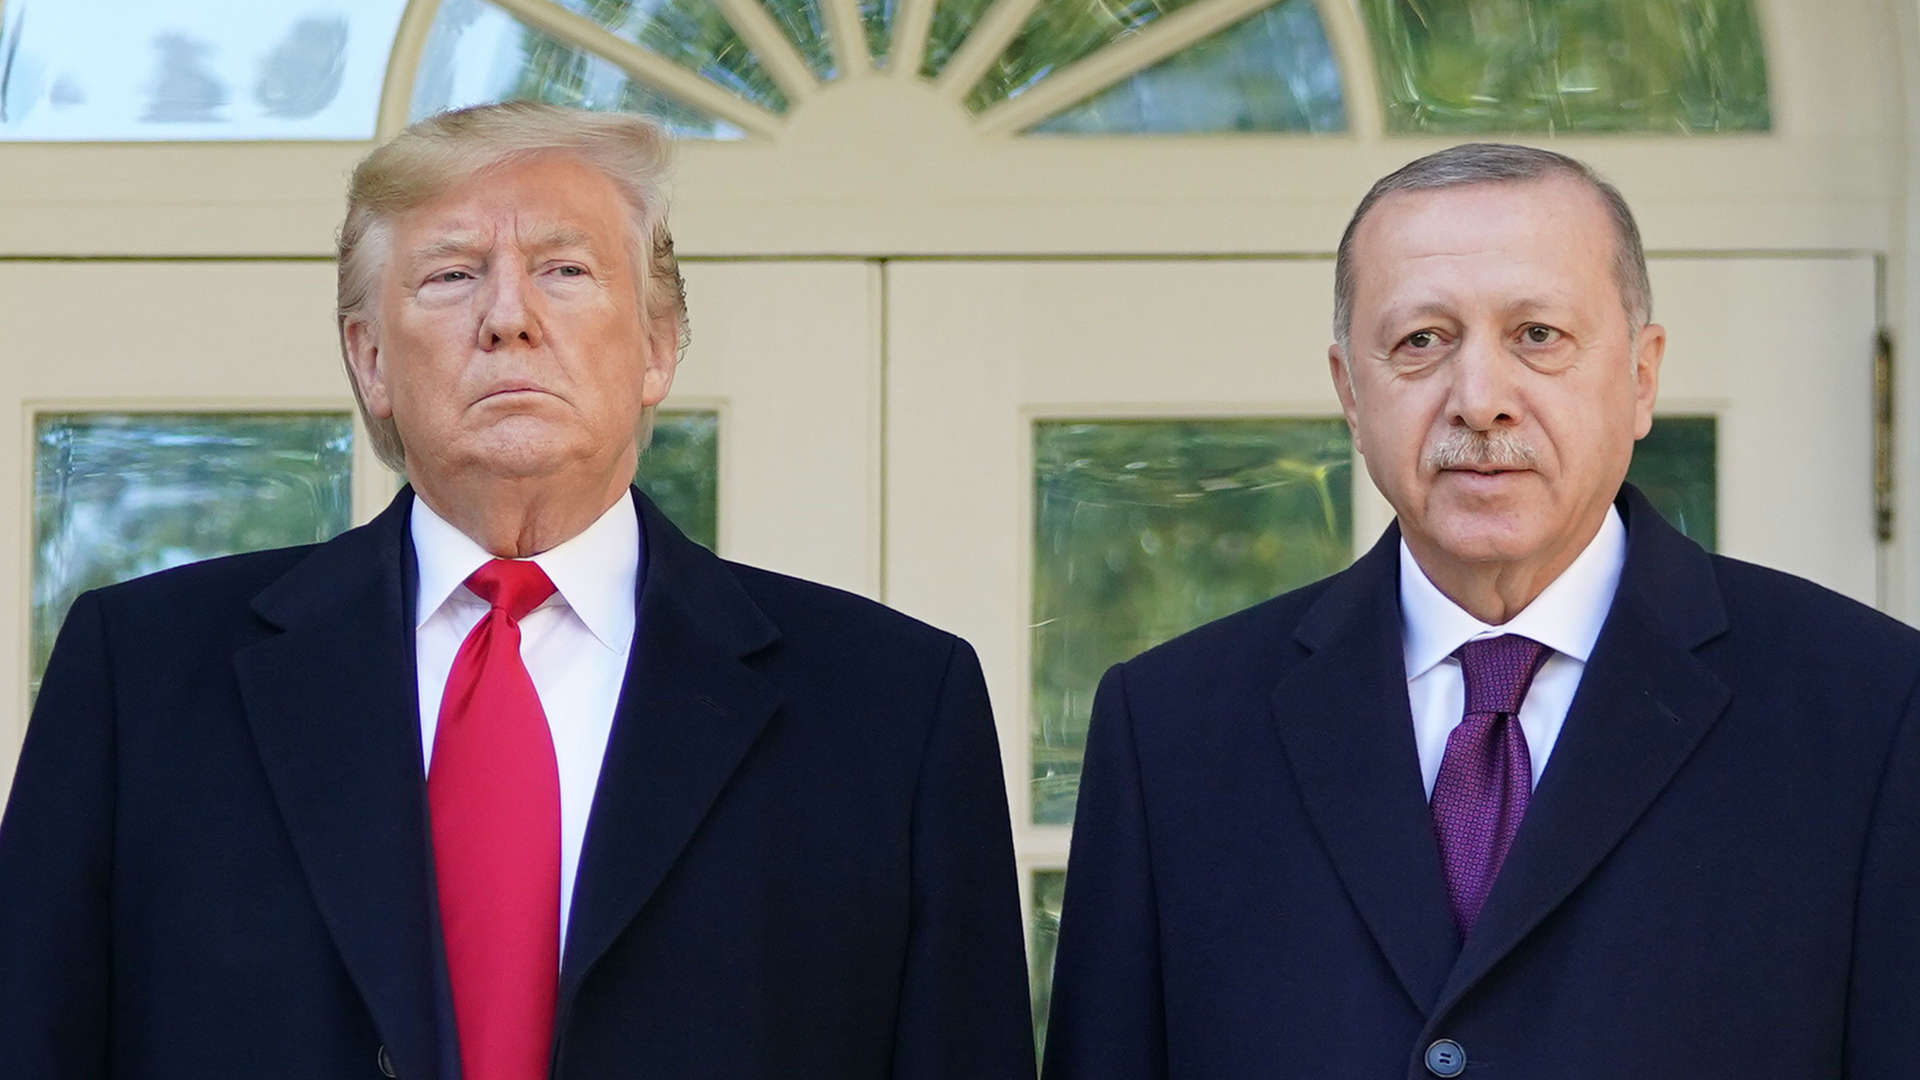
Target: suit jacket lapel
x=689, y=711
x=334, y=710
x=1645, y=701
x=1348, y=731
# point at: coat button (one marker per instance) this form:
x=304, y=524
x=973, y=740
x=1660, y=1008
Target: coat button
x=1445, y=1058
x=386, y=1063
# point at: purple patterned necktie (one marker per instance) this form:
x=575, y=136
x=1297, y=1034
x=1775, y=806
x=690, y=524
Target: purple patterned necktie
x=1486, y=777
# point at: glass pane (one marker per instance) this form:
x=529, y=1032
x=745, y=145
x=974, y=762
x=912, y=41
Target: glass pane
x=1049, y=886
x=476, y=53
x=193, y=69
x=1144, y=529
x=691, y=33
x=1477, y=66
x=876, y=16
x=116, y=496
x=806, y=27
x=1058, y=33
x=680, y=472
x=953, y=20
x=1272, y=72
x=1676, y=466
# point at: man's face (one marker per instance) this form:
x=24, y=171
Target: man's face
x=1495, y=391
x=509, y=341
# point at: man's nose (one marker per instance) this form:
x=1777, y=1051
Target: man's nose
x=509, y=312
x=1485, y=390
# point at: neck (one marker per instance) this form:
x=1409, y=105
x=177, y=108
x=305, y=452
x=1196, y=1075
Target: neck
x=518, y=518
x=1495, y=590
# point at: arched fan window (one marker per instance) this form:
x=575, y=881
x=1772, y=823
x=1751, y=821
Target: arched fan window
x=732, y=69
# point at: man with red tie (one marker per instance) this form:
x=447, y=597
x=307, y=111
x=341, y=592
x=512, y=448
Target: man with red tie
x=515, y=781
x=1537, y=788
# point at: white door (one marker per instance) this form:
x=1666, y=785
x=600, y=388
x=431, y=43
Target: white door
x=1087, y=457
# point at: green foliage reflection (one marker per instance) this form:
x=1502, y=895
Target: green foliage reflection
x=1675, y=467
x=116, y=496
x=1271, y=72
x=1049, y=888
x=953, y=20
x=1492, y=66
x=806, y=27
x=876, y=20
x=693, y=34
x=561, y=75
x=1058, y=33
x=680, y=472
x=1144, y=529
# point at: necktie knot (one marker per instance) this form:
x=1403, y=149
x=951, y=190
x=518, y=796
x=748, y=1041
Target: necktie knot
x=1498, y=671
x=515, y=586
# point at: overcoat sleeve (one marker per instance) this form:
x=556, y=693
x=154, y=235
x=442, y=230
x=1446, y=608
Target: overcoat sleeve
x=1108, y=1018
x=963, y=998
x=56, y=860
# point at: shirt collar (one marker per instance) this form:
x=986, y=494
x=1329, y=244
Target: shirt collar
x=595, y=573
x=1565, y=617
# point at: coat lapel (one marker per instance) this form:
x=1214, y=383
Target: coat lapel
x=1645, y=701
x=689, y=711
x=1348, y=731
x=334, y=710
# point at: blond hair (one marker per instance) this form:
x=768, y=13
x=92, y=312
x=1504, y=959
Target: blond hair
x=431, y=156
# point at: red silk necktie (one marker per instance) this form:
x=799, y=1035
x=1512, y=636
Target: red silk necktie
x=1486, y=775
x=493, y=792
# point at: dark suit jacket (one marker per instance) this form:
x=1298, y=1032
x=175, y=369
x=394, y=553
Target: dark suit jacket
x=215, y=861
x=1718, y=876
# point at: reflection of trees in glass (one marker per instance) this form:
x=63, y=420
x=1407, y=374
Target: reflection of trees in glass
x=1473, y=66
x=1058, y=33
x=562, y=75
x=118, y=496
x=692, y=33
x=1049, y=887
x=806, y=27
x=876, y=17
x=1144, y=529
x=302, y=74
x=680, y=472
x=1271, y=72
x=952, y=21
x=1675, y=467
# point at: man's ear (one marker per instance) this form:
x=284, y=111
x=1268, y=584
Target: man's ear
x=365, y=359
x=1648, y=351
x=1343, y=386
x=661, y=361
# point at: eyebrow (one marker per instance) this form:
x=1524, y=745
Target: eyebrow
x=471, y=243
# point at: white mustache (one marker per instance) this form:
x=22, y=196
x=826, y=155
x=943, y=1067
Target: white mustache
x=1467, y=448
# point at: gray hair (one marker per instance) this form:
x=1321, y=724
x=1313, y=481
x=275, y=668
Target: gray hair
x=1501, y=163
x=429, y=157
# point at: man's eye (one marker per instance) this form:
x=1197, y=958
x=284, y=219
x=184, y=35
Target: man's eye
x=451, y=275
x=571, y=271
x=1539, y=335
x=1423, y=339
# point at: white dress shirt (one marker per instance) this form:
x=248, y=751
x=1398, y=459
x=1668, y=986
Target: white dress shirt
x=1565, y=617
x=575, y=646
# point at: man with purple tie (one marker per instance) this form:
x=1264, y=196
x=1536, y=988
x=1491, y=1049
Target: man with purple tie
x=1537, y=787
